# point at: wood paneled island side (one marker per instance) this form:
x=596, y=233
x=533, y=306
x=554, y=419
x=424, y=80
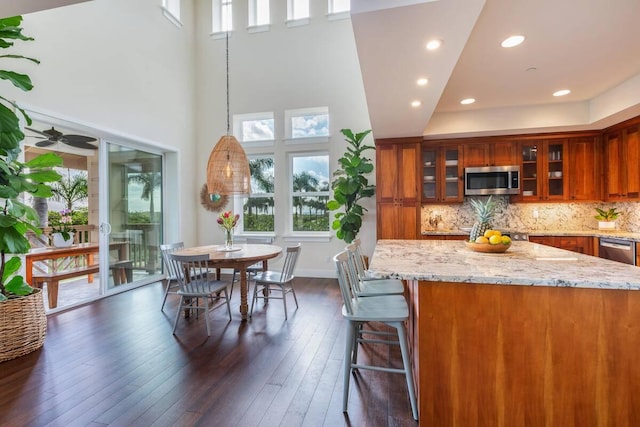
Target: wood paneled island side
x=536, y=336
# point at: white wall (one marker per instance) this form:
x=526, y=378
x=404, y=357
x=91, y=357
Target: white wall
x=121, y=67
x=285, y=68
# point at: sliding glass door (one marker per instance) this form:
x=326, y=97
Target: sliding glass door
x=132, y=221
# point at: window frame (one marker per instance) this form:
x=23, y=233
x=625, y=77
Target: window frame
x=253, y=15
x=238, y=203
x=292, y=21
x=171, y=9
x=288, y=127
x=217, y=22
x=332, y=15
x=239, y=119
x=291, y=234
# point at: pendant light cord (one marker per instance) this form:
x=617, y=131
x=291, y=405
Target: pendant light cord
x=228, y=122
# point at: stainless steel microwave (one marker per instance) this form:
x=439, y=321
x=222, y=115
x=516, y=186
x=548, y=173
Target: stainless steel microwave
x=492, y=180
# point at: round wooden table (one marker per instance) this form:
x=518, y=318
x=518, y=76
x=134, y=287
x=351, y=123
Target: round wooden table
x=241, y=257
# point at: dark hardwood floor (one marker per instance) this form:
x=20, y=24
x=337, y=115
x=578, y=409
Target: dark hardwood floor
x=115, y=362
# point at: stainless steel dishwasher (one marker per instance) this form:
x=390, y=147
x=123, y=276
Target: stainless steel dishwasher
x=617, y=250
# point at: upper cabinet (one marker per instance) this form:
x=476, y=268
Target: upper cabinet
x=397, y=188
x=621, y=159
x=442, y=173
x=543, y=170
x=585, y=168
x=498, y=153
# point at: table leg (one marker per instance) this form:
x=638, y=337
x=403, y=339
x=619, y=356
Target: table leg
x=244, y=306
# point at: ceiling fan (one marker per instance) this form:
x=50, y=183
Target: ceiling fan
x=52, y=136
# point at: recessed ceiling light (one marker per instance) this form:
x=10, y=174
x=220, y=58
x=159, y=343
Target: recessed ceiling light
x=512, y=41
x=434, y=44
x=416, y=104
x=562, y=92
x=467, y=101
x=422, y=81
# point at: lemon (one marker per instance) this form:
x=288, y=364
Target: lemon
x=488, y=233
x=506, y=240
x=482, y=239
x=495, y=239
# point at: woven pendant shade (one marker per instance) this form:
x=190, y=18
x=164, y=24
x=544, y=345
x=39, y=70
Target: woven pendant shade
x=228, y=168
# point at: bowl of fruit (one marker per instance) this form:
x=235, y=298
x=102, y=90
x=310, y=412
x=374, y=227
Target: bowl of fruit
x=491, y=242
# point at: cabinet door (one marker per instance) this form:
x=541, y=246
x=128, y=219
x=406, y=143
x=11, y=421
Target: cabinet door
x=386, y=220
x=476, y=155
x=452, y=182
x=631, y=158
x=504, y=153
x=554, y=173
x=584, y=169
x=409, y=159
x=386, y=173
x=613, y=169
x=430, y=164
x=530, y=171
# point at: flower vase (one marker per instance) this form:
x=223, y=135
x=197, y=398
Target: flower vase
x=60, y=242
x=228, y=239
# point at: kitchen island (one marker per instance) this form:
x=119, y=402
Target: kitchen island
x=535, y=336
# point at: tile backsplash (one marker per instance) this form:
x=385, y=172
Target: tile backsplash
x=520, y=216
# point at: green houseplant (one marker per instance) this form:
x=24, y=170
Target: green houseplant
x=350, y=186
x=22, y=321
x=607, y=218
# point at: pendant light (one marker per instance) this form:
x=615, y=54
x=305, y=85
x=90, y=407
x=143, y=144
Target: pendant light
x=228, y=168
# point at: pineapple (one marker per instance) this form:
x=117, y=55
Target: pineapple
x=484, y=214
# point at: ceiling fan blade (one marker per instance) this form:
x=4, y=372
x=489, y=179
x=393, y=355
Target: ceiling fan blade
x=46, y=143
x=80, y=144
x=77, y=138
x=37, y=131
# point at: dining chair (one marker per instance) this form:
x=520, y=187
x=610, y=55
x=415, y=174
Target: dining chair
x=391, y=310
x=196, y=284
x=365, y=286
x=171, y=278
x=253, y=269
x=267, y=281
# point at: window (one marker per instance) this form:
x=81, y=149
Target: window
x=171, y=10
x=297, y=9
x=307, y=123
x=309, y=192
x=250, y=129
x=258, y=208
x=339, y=6
x=222, y=16
x=258, y=13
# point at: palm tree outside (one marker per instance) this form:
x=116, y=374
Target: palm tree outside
x=150, y=181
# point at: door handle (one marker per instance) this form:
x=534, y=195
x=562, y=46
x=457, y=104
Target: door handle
x=105, y=228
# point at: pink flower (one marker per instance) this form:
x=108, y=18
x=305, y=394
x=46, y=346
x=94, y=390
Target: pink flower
x=227, y=220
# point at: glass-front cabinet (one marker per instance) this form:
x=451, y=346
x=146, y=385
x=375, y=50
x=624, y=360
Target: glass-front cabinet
x=442, y=177
x=543, y=170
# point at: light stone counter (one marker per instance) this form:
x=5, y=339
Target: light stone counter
x=525, y=263
x=618, y=234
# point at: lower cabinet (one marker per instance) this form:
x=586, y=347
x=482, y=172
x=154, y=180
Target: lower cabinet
x=580, y=244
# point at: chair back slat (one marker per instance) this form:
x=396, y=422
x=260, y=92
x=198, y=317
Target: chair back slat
x=290, y=261
x=165, y=250
x=193, y=271
x=342, y=269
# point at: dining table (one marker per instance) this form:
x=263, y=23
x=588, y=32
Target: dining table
x=239, y=257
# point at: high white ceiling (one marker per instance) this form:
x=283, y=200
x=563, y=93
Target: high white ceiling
x=588, y=46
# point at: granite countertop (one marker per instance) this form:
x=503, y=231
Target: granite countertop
x=525, y=263
x=618, y=234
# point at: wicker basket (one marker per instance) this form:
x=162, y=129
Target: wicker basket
x=23, y=325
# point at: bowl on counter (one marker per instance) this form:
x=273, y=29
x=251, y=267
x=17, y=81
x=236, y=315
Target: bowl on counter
x=487, y=247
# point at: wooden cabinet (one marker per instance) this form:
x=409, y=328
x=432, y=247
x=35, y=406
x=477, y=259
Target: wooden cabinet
x=442, y=174
x=621, y=160
x=543, y=168
x=584, y=170
x=498, y=153
x=397, y=190
x=445, y=237
x=580, y=244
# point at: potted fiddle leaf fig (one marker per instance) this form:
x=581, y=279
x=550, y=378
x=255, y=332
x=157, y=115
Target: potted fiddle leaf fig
x=350, y=186
x=21, y=305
